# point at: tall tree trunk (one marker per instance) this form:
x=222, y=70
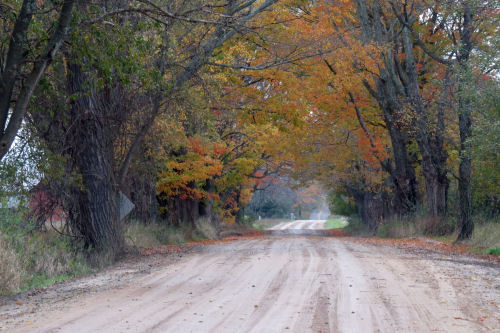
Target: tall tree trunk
x=466, y=223
x=430, y=145
x=436, y=186
x=387, y=90
x=95, y=217
x=370, y=207
x=403, y=174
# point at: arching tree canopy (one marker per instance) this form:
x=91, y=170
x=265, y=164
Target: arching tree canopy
x=190, y=107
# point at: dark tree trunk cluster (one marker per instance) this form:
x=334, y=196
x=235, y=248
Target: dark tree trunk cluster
x=398, y=95
x=370, y=208
x=95, y=216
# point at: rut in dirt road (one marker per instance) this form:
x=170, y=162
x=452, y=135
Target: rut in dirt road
x=292, y=284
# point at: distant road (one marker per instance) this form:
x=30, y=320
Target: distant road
x=301, y=224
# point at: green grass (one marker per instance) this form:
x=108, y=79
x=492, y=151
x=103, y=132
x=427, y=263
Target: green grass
x=450, y=239
x=336, y=223
x=494, y=250
x=39, y=280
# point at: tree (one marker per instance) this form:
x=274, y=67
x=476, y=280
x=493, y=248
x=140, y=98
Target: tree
x=26, y=59
x=471, y=27
x=160, y=57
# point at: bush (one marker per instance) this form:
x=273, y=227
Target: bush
x=340, y=204
x=357, y=227
x=206, y=228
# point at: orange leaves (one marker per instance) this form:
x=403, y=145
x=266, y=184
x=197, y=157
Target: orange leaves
x=197, y=146
x=318, y=131
x=186, y=175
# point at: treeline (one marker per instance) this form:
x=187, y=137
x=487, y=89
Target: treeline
x=396, y=111
x=188, y=107
x=101, y=98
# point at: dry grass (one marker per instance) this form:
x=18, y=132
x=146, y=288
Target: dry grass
x=416, y=226
x=10, y=269
x=486, y=235
x=156, y=234
x=485, y=238
x=206, y=229
x=37, y=259
x=153, y=234
x=140, y=235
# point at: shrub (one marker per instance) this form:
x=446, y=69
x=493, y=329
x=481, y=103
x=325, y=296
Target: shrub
x=341, y=204
x=206, y=228
x=357, y=227
x=432, y=226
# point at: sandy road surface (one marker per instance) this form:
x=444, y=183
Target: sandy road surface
x=286, y=284
x=300, y=224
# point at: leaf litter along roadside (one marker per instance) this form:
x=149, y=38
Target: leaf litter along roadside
x=429, y=245
x=186, y=247
x=411, y=244
x=243, y=234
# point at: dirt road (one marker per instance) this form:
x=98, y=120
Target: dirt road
x=301, y=225
x=279, y=284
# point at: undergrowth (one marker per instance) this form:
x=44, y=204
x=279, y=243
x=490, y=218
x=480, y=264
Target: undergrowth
x=356, y=227
x=30, y=258
x=486, y=233
x=416, y=225
x=485, y=238
x=153, y=234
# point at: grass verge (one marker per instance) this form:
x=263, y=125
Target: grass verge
x=153, y=234
x=485, y=238
x=336, y=222
x=31, y=259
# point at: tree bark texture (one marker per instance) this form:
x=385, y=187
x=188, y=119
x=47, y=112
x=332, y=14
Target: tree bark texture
x=95, y=215
x=397, y=88
x=466, y=224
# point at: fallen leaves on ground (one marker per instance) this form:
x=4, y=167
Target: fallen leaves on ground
x=423, y=243
x=177, y=248
x=403, y=243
